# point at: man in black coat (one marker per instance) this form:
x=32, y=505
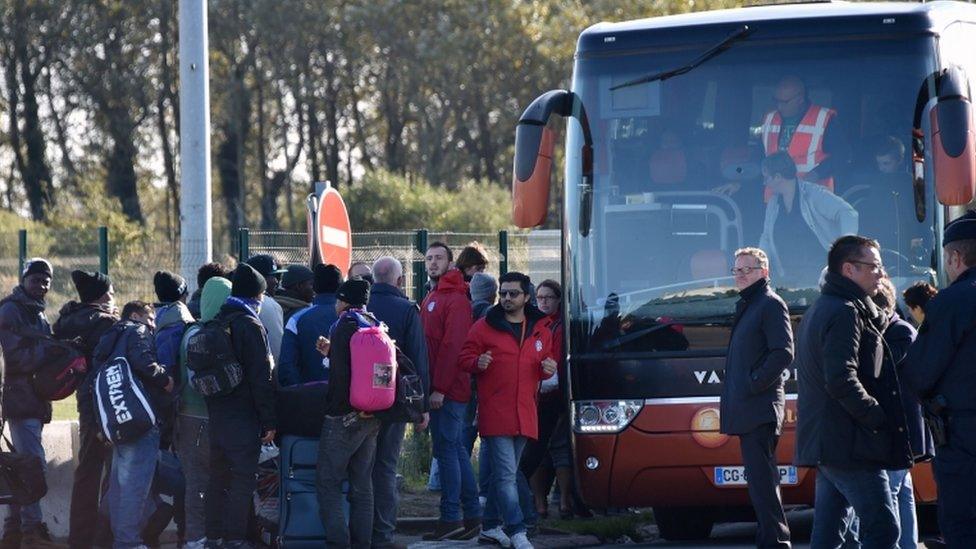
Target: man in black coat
x=940, y=366
x=760, y=349
x=850, y=422
x=85, y=321
x=23, y=328
x=243, y=419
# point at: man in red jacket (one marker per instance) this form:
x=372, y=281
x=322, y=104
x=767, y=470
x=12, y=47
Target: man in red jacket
x=510, y=350
x=446, y=316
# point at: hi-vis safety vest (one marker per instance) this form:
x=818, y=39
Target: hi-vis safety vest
x=806, y=145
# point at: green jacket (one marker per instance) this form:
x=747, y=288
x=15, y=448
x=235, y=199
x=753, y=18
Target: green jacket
x=215, y=293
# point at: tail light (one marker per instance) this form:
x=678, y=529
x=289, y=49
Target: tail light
x=604, y=416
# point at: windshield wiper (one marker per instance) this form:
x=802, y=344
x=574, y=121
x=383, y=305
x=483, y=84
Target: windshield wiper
x=711, y=52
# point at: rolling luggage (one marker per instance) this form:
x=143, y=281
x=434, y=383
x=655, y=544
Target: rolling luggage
x=299, y=524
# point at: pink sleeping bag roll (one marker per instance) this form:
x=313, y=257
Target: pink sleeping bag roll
x=373, y=384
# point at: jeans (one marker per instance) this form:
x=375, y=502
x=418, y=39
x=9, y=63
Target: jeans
x=385, y=496
x=503, y=498
x=26, y=436
x=235, y=444
x=90, y=479
x=902, y=492
x=459, y=489
x=346, y=452
x=193, y=448
x=867, y=491
x=129, y=504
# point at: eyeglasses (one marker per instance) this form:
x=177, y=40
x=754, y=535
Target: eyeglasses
x=875, y=267
x=744, y=270
x=510, y=293
x=545, y=298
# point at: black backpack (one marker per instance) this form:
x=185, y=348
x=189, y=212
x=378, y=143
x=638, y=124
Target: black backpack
x=409, y=405
x=212, y=366
x=124, y=411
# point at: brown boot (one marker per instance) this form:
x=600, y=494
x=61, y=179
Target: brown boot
x=445, y=530
x=472, y=527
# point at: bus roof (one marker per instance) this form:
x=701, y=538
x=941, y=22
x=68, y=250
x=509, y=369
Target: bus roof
x=778, y=21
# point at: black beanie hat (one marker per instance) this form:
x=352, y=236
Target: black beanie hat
x=354, y=291
x=247, y=282
x=169, y=286
x=962, y=228
x=327, y=279
x=90, y=286
x=295, y=275
x=37, y=265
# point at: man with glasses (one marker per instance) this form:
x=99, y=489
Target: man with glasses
x=806, y=131
x=753, y=402
x=940, y=368
x=510, y=352
x=850, y=420
x=801, y=221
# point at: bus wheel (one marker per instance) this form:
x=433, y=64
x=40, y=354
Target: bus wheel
x=684, y=523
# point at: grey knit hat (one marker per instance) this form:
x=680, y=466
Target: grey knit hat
x=483, y=286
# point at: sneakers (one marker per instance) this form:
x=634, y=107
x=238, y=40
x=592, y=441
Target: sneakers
x=521, y=541
x=445, y=530
x=495, y=536
x=471, y=529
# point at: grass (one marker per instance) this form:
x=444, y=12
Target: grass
x=606, y=528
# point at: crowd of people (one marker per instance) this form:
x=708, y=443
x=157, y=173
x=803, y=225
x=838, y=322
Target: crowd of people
x=875, y=394
x=483, y=349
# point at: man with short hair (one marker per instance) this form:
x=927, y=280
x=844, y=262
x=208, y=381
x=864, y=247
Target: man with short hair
x=243, y=419
x=753, y=401
x=347, y=445
x=297, y=290
x=300, y=361
x=446, y=315
x=134, y=461
x=22, y=325
x=361, y=270
x=510, y=352
x=850, y=421
x=402, y=317
x=205, y=273
x=85, y=321
x=940, y=369
x=272, y=317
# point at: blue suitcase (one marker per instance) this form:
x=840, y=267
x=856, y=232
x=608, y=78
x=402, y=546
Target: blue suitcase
x=299, y=523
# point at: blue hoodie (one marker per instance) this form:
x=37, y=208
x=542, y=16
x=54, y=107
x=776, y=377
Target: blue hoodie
x=300, y=361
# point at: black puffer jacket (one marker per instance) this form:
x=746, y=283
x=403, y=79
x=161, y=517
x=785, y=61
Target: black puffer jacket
x=849, y=410
x=21, y=315
x=85, y=323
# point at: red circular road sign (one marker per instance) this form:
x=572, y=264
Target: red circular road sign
x=333, y=232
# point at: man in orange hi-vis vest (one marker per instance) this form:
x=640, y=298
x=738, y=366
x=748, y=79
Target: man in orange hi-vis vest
x=806, y=131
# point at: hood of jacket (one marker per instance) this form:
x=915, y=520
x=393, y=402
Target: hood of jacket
x=19, y=295
x=173, y=313
x=215, y=293
x=289, y=301
x=74, y=312
x=495, y=317
x=452, y=282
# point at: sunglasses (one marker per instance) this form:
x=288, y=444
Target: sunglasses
x=510, y=293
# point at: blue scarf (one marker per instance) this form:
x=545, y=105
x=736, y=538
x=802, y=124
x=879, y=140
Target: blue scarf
x=355, y=312
x=250, y=306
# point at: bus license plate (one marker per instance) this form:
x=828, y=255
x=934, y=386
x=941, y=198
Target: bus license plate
x=736, y=475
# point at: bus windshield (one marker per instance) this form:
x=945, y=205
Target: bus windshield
x=679, y=183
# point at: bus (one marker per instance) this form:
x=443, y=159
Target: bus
x=664, y=124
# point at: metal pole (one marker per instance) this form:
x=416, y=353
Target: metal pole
x=243, y=244
x=196, y=216
x=21, y=250
x=419, y=272
x=503, y=252
x=103, y=250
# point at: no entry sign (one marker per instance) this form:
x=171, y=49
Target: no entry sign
x=333, y=235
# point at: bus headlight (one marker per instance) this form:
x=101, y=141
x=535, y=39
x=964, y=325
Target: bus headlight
x=604, y=416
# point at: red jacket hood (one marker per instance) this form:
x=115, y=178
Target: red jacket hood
x=452, y=282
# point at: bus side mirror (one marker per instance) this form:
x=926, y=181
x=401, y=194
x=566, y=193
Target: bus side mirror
x=953, y=142
x=534, y=146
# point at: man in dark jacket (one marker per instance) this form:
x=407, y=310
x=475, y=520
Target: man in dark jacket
x=940, y=367
x=446, y=314
x=172, y=318
x=243, y=419
x=205, y=273
x=760, y=349
x=347, y=446
x=134, y=461
x=297, y=290
x=22, y=329
x=851, y=425
x=402, y=317
x=85, y=321
x=300, y=361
